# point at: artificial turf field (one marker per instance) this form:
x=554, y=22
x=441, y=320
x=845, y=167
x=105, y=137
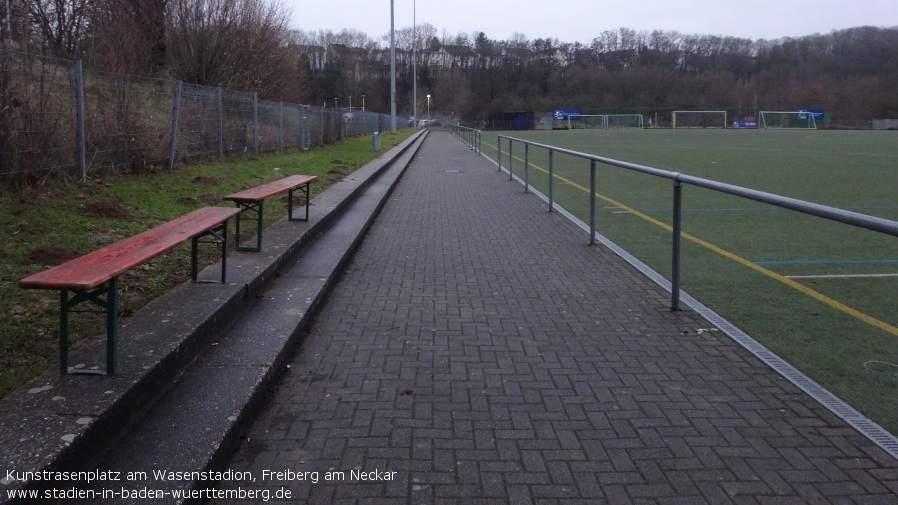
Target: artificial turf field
x=822, y=295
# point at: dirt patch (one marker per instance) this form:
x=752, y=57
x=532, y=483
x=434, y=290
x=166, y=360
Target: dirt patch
x=187, y=201
x=52, y=255
x=336, y=175
x=104, y=208
x=34, y=229
x=209, y=198
x=205, y=181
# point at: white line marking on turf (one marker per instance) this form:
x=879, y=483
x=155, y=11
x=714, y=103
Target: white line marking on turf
x=839, y=276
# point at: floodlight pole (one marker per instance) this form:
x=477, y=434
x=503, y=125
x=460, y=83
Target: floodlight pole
x=415, y=60
x=392, y=71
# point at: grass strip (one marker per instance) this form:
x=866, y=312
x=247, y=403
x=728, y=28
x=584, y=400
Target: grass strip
x=48, y=225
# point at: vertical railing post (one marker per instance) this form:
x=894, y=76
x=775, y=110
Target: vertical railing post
x=551, y=179
x=510, y=160
x=592, y=202
x=526, y=168
x=499, y=150
x=79, y=118
x=220, y=113
x=176, y=112
x=675, y=253
x=256, y=123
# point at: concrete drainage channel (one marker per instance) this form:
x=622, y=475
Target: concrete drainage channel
x=197, y=362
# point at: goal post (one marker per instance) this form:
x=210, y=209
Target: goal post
x=587, y=122
x=788, y=120
x=623, y=121
x=698, y=119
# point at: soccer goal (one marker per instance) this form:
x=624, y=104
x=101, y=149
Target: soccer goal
x=623, y=121
x=699, y=119
x=587, y=122
x=788, y=120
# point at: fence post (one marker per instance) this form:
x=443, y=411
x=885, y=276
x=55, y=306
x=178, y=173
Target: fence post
x=300, y=139
x=499, y=150
x=592, y=202
x=79, y=117
x=256, y=123
x=675, y=253
x=176, y=112
x=281, y=127
x=220, y=113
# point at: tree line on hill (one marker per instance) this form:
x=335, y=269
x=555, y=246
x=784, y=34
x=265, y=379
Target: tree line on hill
x=248, y=45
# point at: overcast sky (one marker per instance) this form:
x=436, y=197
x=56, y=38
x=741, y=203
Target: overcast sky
x=582, y=20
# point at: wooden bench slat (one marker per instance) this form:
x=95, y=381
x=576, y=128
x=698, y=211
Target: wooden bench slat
x=93, y=269
x=270, y=189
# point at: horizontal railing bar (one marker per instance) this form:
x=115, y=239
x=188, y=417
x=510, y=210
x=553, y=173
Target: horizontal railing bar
x=856, y=219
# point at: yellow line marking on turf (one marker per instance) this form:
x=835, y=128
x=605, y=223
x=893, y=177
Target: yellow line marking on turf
x=738, y=259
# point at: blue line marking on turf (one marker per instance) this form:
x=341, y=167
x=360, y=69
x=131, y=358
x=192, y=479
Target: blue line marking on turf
x=825, y=262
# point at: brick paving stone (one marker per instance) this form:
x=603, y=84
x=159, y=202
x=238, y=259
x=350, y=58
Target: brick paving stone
x=478, y=348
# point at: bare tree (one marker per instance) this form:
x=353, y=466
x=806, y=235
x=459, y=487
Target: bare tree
x=127, y=36
x=59, y=25
x=236, y=44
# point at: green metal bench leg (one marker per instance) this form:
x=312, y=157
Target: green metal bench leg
x=111, y=325
x=110, y=304
x=258, y=209
x=64, y=333
x=220, y=235
x=306, y=191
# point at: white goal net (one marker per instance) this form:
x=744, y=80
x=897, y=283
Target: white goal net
x=586, y=122
x=789, y=120
x=624, y=120
x=699, y=119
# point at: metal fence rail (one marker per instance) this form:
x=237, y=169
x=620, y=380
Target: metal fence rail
x=470, y=136
x=58, y=119
x=678, y=180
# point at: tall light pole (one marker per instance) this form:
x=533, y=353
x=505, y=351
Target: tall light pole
x=363, y=102
x=350, y=105
x=392, y=71
x=428, y=106
x=415, y=60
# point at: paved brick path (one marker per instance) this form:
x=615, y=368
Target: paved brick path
x=482, y=351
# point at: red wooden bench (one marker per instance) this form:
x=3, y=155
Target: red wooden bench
x=252, y=200
x=94, y=275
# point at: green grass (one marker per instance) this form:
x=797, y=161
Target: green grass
x=852, y=170
x=57, y=216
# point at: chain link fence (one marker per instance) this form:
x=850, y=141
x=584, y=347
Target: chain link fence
x=35, y=113
x=59, y=120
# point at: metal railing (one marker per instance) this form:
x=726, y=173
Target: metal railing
x=678, y=180
x=470, y=136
